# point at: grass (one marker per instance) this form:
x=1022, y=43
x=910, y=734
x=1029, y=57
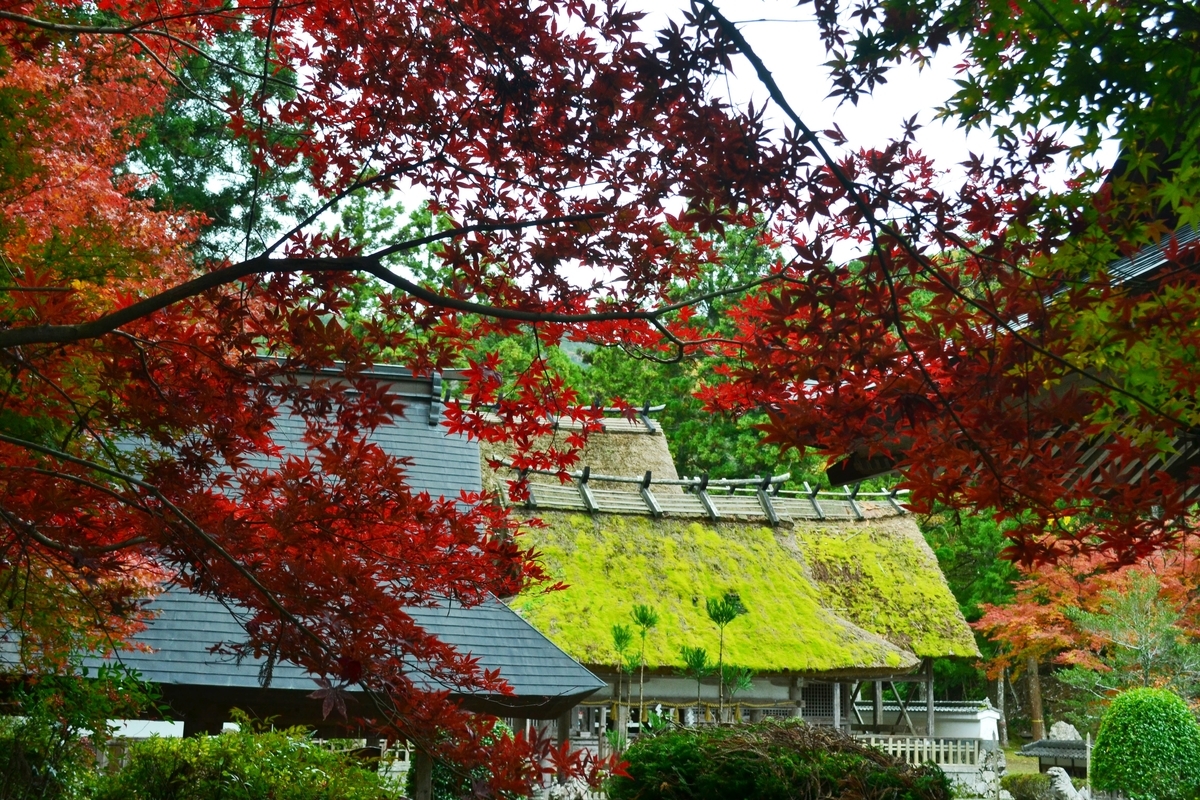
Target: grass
x=1019, y=764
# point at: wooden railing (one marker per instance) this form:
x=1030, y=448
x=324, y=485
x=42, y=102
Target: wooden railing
x=920, y=749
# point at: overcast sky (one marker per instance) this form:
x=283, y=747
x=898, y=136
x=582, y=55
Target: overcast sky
x=786, y=38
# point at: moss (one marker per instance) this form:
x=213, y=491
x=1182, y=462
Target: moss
x=611, y=562
x=883, y=577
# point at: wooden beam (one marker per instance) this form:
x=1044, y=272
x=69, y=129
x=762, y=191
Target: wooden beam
x=904, y=706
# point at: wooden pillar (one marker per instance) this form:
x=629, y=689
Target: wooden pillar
x=849, y=692
x=564, y=735
x=877, y=707
x=423, y=780
x=837, y=704
x=796, y=695
x=929, y=726
x=602, y=744
x=1035, y=698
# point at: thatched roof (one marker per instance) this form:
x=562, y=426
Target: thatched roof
x=862, y=597
x=839, y=585
x=624, y=448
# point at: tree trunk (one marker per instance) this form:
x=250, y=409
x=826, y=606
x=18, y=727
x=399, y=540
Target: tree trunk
x=721, y=679
x=1035, y=698
x=642, y=691
x=1002, y=724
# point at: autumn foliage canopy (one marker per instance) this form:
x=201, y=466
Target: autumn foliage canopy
x=961, y=326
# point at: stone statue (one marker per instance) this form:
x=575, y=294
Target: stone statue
x=1061, y=787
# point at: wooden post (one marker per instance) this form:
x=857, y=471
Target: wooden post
x=877, y=707
x=564, y=735
x=423, y=764
x=850, y=691
x=1035, y=698
x=837, y=705
x=929, y=728
x=602, y=745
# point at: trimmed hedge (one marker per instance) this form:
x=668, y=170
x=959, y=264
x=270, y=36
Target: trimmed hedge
x=1148, y=747
x=769, y=761
x=271, y=765
x=1035, y=786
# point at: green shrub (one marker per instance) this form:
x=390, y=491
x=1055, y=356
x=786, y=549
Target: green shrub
x=39, y=760
x=769, y=761
x=1148, y=747
x=1034, y=786
x=43, y=754
x=243, y=765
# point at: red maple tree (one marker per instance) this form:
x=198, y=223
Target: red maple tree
x=978, y=343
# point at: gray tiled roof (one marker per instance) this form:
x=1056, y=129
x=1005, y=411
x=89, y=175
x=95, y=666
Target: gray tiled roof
x=1056, y=748
x=188, y=626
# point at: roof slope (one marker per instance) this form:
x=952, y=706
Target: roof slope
x=189, y=626
x=612, y=562
x=823, y=597
x=882, y=575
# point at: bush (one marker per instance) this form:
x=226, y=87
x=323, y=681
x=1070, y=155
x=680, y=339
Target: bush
x=1028, y=786
x=39, y=760
x=1148, y=747
x=769, y=761
x=243, y=765
x=43, y=754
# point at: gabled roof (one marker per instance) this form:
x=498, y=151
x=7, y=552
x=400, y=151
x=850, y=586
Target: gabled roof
x=1056, y=748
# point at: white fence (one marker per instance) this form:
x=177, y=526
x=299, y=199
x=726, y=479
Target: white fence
x=919, y=750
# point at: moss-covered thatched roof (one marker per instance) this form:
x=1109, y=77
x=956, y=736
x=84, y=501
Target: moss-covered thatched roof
x=863, y=597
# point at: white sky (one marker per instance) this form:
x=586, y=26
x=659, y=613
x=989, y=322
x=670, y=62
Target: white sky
x=786, y=38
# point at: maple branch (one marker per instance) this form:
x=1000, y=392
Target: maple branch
x=370, y=264
x=188, y=522
x=99, y=487
x=847, y=184
x=30, y=530
x=133, y=30
x=342, y=195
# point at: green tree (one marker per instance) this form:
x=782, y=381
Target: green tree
x=1148, y=747
x=703, y=440
x=645, y=618
x=1139, y=640
x=622, y=637
x=192, y=158
x=697, y=666
x=970, y=552
x=722, y=611
x=736, y=679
